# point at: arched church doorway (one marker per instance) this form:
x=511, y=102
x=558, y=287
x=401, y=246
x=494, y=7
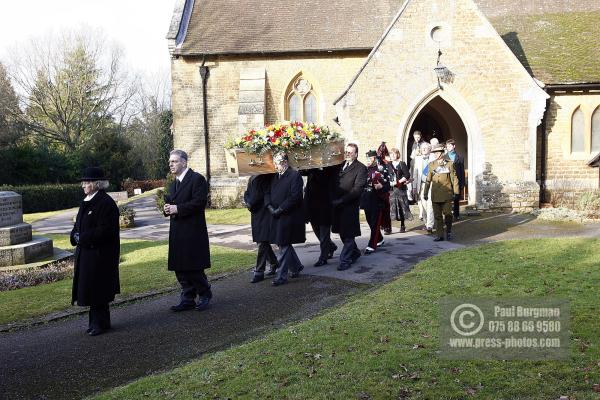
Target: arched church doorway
x=438, y=119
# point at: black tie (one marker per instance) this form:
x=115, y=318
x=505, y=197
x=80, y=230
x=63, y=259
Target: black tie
x=176, y=185
x=346, y=166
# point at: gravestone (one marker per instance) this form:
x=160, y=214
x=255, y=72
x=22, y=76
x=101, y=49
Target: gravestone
x=17, y=245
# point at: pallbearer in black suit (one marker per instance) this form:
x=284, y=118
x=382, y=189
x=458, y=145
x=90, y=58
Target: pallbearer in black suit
x=96, y=235
x=189, y=253
x=284, y=202
x=260, y=220
x=346, y=191
x=317, y=208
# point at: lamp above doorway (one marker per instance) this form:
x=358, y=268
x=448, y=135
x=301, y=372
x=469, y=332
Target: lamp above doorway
x=442, y=72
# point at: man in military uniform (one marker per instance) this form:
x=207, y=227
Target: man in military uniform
x=442, y=179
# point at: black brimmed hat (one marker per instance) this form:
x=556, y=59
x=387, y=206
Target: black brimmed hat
x=371, y=153
x=92, y=174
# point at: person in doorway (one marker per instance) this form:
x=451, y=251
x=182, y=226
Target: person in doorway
x=373, y=199
x=96, y=237
x=415, y=155
x=318, y=210
x=441, y=177
x=284, y=202
x=189, y=253
x=399, y=206
x=459, y=166
x=260, y=221
x=425, y=206
x=348, y=185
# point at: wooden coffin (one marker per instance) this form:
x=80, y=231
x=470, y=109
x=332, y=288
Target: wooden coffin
x=241, y=163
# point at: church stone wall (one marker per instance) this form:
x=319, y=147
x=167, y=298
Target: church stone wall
x=329, y=74
x=497, y=99
x=567, y=173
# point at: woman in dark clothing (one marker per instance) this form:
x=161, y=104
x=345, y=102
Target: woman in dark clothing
x=374, y=197
x=399, y=207
x=96, y=237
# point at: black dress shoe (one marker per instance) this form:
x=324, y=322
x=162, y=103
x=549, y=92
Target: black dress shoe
x=203, y=303
x=257, y=278
x=331, y=251
x=96, y=331
x=297, y=273
x=438, y=239
x=183, y=307
x=343, y=267
x=387, y=231
x=402, y=229
x=278, y=282
x=271, y=271
x=355, y=257
x=320, y=263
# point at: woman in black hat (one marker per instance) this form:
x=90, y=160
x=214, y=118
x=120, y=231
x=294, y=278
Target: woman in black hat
x=96, y=235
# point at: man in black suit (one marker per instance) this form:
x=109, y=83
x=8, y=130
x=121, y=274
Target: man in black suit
x=260, y=221
x=346, y=192
x=317, y=209
x=189, y=253
x=284, y=202
x=459, y=166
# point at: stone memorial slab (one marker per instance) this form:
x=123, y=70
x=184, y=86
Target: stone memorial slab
x=118, y=196
x=15, y=234
x=11, y=209
x=25, y=253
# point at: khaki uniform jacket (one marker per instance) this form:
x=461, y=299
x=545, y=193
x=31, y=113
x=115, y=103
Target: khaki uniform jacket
x=443, y=181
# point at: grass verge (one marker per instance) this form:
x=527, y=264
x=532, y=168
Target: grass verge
x=228, y=216
x=143, y=268
x=384, y=345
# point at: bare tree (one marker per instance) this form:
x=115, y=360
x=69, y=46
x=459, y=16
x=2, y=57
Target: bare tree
x=73, y=87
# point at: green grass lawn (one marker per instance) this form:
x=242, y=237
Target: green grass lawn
x=143, y=268
x=384, y=344
x=228, y=216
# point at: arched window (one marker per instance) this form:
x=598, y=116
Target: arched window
x=577, y=132
x=301, y=101
x=596, y=130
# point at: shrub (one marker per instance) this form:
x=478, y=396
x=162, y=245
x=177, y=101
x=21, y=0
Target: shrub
x=41, y=198
x=126, y=217
x=589, y=204
x=160, y=194
x=130, y=184
x=53, y=272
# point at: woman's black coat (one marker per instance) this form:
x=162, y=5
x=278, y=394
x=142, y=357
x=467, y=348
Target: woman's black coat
x=188, y=235
x=96, y=279
x=348, y=187
x=286, y=193
x=254, y=197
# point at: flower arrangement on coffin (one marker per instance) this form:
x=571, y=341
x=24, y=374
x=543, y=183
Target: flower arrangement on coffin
x=283, y=137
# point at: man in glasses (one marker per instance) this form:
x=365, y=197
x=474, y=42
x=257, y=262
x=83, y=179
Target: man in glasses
x=347, y=189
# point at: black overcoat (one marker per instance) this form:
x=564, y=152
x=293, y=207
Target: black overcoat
x=459, y=166
x=254, y=197
x=188, y=236
x=96, y=278
x=286, y=193
x=348, y=186
x=317, y=195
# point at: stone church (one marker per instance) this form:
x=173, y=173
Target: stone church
x=515, y=83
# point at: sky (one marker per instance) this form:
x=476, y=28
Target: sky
x=138, y=26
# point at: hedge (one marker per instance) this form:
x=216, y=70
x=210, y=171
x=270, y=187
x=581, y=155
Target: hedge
x=41, y=198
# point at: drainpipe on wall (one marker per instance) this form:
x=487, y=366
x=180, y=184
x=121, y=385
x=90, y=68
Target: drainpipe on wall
x=204, y=74
x=543, y=151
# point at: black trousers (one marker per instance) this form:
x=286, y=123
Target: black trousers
x=323, y=233
x=455, y=209
x=288, y=260
x=99, y=317
x=350, y=251
x=374, y=219
x=265, y=254
x=193, y=283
